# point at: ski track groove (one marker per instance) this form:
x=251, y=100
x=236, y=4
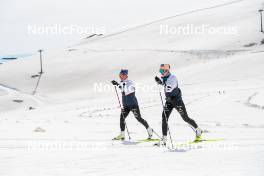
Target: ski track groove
x=14, y=92
x=252, y=105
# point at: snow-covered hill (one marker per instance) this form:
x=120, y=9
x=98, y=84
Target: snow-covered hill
x=220, y=75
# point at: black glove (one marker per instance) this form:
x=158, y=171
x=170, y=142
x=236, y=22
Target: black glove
x=158, y=80
x=115, y=83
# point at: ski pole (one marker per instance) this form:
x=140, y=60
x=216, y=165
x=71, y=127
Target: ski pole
x=166, y=118
x=122, y=113
x=157, y=134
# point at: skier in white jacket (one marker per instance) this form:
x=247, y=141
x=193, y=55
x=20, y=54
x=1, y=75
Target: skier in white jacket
x=130, y=103
x=173, y=100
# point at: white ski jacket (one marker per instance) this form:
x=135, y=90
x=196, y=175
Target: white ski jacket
x=171, y=86
x=128, y=93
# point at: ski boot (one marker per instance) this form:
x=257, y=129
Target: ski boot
x=198, y=137
x=121, y=136
x=162, y=142
x=150, y=132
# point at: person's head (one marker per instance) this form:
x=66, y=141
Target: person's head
x=164, y=69
x=123, y=74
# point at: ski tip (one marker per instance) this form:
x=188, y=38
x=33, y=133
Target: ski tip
x=206, y=140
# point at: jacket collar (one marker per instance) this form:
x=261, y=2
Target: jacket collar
x=165, y=78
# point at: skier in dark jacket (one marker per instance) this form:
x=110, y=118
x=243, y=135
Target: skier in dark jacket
x=130, y=103
x=173, y=100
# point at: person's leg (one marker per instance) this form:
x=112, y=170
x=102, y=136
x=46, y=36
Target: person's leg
x=165, y=117
x=179, y=105
x=137, y=115
x=124, y=113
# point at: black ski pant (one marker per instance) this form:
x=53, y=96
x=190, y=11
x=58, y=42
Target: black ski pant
x=180, y=107
x=124, y=113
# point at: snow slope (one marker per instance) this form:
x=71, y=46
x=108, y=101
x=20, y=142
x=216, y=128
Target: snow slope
x=70, y=131
x=98, y=16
